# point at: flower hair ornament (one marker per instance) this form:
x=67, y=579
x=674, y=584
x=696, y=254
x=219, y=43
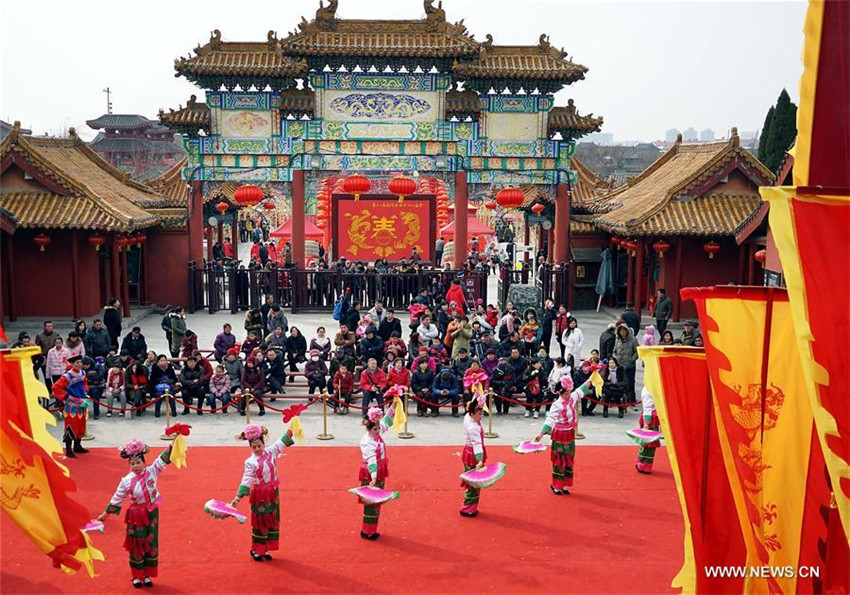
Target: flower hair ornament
x=253, y=432
x=133, y=449
x=566, y=384
x=375, y=414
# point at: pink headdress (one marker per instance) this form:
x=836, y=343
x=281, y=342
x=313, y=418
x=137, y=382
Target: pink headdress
x=252, y=432
x=473, y=379
x=375, y=414
x=566, y=384
x=395, y=391
x=482, y=401
x=134, y=448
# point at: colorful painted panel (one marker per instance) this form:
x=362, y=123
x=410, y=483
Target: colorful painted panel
x=375, y=163
x=246, y=124
x=373, y=228
x=380, y=106
x=518, y=103
x=512, y=126
x=381, y=82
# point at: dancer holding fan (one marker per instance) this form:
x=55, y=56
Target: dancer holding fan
x=374, y=469
x=647, y=437
x=561, y=425
x=474, y=454
x=261, y=481
x=142, y=518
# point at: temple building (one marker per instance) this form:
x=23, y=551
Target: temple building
x=143, y=148
x=76, y=230
x=423, y=98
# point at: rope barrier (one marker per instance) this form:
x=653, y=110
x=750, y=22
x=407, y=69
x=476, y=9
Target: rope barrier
x=113, y=408
x=432, y=404
x=266, y=405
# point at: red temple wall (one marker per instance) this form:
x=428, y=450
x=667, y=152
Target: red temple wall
x=168, y=257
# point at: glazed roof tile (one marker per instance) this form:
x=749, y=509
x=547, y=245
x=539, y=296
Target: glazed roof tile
x=567, y=120
x=521, y=62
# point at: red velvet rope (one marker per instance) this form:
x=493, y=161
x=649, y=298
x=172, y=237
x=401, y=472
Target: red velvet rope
x=102, y=404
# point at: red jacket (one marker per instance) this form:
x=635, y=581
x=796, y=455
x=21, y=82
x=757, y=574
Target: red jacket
x=373, y=381
x=455, y=294
x=492, y=317
x=398, y=377
x=343, y=383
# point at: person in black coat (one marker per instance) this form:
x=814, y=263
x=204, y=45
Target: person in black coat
x=631, y=318
x=421, y=381
x=546, y=321
x=371, y=346
x=606, y=342
x=503, y=383
x=614, y=387
x=135, y=345
x=351, y=317
x=162, y=376
x=112, y=320
x=389, y=325
x=296, y=350
x=275, y=372
x=192, y=380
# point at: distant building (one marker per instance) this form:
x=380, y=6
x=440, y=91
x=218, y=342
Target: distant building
x=706, y=135
x=690, y=135
x=670, y=135
x=600, y=138
x=5, y=127
x=143, y=148
x=617, y=163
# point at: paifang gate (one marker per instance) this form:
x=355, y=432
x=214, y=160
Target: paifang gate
x=380, y=226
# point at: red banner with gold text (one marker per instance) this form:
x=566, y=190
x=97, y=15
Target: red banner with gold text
x=372, y=228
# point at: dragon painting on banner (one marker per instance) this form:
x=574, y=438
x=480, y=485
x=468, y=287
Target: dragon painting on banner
x=373, y=228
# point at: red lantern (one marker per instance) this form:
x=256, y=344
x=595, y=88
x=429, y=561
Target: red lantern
x=42, y=241
x=356, y=185
x=631, y=246
x=222, y=207
x=248, y=195
x=510, y=198
x=140, y=239
x=661, y=246
x=617, y=241
x=537, y=209
x=711, y=248
x=403, y=186
x=761, y=256
x=490, y=205
x=269, y=206
x=97, y=241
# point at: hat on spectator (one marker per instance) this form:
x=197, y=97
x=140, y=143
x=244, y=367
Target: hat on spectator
x=314, y=352
x=75, y=358
x=232, y=351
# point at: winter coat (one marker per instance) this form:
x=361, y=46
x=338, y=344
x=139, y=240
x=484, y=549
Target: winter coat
x=401, y=377
x=57, y=361
x=296, y=348
x=625, y=350
x=488, y=366
x=503, y=379
x=573, y=339
x=98, y=343
x=373, y=381
x=234, y=370
x=253, y=379
x=318, y=369
x=606, y=344
x=188, y=345
x=137, y=347
x=160, y=376
x=462, y=336
x=276, y=369
x=420, y=380
x=220, y=384
x=632, y=319
x=115, y=380
x=343, y=383
x=223, y=342
x=373, y=347
x=324, y=350
x=388, y=327
x=191, y=378
x=45, y=341
x=451, y=385
x=178, y=330
x=461, y=365
x=112, y=322
x=663, y=308
x=277, y=319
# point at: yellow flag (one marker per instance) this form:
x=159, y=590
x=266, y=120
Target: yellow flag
x=597, y=382
x=178, y=451
x=400, y=415
x=296, y=429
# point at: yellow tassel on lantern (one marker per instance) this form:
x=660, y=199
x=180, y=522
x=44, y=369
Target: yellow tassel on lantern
x=296, y=429
x=178, y=451
x=478, y=390
x=400, y=415
x=597, y=382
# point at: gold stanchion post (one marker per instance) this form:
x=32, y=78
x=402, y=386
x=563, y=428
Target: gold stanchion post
x=166, y=398
x=490, y=433
x=324, y=435
x=405, y=434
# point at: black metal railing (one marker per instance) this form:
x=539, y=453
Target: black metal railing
x=227, y=287
x=552, y=280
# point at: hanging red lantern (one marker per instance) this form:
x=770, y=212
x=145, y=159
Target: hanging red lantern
x=140, y=239
x=761, y=255
x=222, y=207
x=402, y=186
x=631, y=246
x=269, y=206
x=510, y=198
x=356, y=185
x=537, y=209
x=661, y=247
x=617, y=241
x=42, y=241
x=711, y=248
x=97, y=241
x=490, y=205
x=248, y=195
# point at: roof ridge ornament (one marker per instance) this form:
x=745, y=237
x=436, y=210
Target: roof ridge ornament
x=543, y=43
x=326, y=16
x=272, y=41
x=215, y=39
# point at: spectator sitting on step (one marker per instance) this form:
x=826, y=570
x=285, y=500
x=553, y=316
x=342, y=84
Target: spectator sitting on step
x=251, y=343
x=322, y=344
x=220, y=388
x=389, y=325
x=135, y=344
x=189, y=343
x=371, y=346
x=316, y=372
x=345, y=339
x=233, y=366
x=275, y=372
x=192, y=380
x=446, y=387
x=373, y=381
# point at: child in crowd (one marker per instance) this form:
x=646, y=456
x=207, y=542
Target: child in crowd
x=115, y=388
x=220, y=388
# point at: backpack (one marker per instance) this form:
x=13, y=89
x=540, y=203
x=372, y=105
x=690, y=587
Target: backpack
x=339, y=309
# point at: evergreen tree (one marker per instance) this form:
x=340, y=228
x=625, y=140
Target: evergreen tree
x=782, y=132
x=763, y=138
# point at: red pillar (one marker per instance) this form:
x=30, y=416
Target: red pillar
x=550, y=245
x=639, y=276
x=743, y=250
x=630, y=275
x=144, y=289
x=10, y=277
x=195, y=224
x=125, y=284
x=562, y=224
x=298, y=213
x=75, y=284
x=220, y=232
x=461, y=218
x=677, y=299
x=210, y=237
x=115, y=289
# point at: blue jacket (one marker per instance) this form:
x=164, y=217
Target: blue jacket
x=451, y=385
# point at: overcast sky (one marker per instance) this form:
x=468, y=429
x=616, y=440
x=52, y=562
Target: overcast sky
x=653, y=66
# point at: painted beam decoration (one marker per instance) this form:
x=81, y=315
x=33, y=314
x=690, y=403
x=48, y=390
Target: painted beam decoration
x=372, y=228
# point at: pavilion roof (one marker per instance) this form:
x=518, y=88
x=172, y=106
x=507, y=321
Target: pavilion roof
x=327, y=36
x=588, y=188
x=570, y=124
x=172, y=186
x=676, y=195
x=240, y=63
x=119, y=121
x=74, y=188
x=540, y=62
x=195, y=116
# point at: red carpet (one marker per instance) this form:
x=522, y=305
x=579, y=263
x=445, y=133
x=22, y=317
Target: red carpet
x=618, y=532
